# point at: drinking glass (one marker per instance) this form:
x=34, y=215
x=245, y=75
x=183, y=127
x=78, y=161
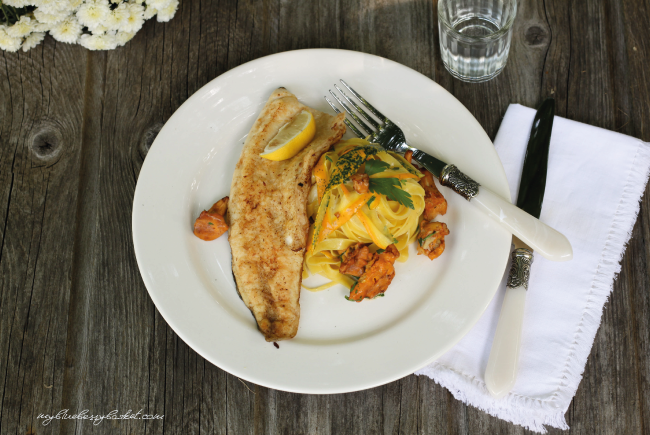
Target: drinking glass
x=475, y=37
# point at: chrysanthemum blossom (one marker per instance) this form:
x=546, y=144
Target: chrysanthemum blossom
x=150, y=12
x=136, y=18
x=21, y=28
x=46, y=17
x=7, y=42
x=117, y=17
x=168, y=12
x=33, y=40
x=93, y=13
x=159, y=4
x=17, y=3
x=98, y=42
x=52, y=6
x=67, y=30
x=95, y=24
x=124, y=37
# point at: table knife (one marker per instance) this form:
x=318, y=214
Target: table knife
x=501, y=371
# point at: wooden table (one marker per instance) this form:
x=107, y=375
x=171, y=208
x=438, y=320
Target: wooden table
x=77, y=327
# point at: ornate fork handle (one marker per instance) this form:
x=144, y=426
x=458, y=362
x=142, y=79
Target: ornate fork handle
x=460, y=183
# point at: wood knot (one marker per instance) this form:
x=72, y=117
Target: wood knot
x=536, y=35
x=147, y=139
x=46, y=144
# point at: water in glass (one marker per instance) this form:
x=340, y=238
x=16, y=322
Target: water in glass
x=475, y=37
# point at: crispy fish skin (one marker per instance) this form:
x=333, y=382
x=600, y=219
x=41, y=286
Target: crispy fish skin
x=268, y=216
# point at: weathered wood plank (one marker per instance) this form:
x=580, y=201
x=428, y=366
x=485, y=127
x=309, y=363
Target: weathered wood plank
x=39, y=160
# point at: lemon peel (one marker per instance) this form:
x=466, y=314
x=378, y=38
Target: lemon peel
x=292, y=138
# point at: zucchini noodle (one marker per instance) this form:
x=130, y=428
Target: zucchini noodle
x=347, y=217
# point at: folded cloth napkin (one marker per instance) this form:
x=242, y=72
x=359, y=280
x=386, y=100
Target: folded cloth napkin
x=594, y=183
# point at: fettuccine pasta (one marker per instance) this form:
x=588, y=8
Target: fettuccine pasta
x=343, y=217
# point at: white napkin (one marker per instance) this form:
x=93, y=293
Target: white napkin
x=595, y=180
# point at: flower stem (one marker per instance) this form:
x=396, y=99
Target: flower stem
x=4, y=12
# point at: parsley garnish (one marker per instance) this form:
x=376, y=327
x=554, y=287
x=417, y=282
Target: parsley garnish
x=210, y=223
x=328, y=158
x=425, y=238
x=380, y=251
x=391, y=188
x=376, y=166
x=372, y=198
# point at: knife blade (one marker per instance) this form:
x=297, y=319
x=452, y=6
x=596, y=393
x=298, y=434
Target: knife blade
x=501, y=370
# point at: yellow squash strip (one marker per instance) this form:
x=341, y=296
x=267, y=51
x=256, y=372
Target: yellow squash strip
x=377, y=237
x=405, y=164
x=318, y=222
x=331, y=223
x=394, y=174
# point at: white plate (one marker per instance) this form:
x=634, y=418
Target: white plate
x=340, y=346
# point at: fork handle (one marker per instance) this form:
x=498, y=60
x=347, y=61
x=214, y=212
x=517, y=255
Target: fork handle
x=545, y=240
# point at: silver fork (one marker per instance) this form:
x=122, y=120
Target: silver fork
x=548, y=242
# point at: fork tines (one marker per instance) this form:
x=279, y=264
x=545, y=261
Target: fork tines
x=370, y=130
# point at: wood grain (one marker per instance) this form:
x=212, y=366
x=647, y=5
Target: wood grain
x=77, y=327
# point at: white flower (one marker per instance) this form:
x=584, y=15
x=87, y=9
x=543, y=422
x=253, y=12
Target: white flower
x=168, y=12
x=149, y=12
x=100, y=30
x=17, y=3
x=7, y=42
x=21, y=28
x=98, y=42
x=67, y=31
x=33, y=40
x=135, y=19
x=111, y=23
x=159, y=4
x=117, y=17
x=74, y=4
x=53, y=17
x=52, y=6
x=124, y=37
x=93, y=13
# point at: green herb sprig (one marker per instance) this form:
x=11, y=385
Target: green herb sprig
x=390, y=187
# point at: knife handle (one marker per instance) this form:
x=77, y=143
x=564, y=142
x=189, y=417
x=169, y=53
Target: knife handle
x=501, y=371
x=550, y=243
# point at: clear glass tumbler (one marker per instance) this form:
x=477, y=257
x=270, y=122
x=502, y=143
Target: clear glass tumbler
x=475, y=37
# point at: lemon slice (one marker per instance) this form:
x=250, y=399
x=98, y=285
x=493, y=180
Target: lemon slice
x=291, y=138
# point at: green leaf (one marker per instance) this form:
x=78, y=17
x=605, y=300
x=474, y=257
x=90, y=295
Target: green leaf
x=210, y=223
x=370, y=200
x=421, y=241
x=380, y=251
x=391, y=188
x=328, y=158
x=376, y=166
x=9, y=15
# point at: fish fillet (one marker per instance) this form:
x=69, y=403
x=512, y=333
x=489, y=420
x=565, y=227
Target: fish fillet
x=268, y=216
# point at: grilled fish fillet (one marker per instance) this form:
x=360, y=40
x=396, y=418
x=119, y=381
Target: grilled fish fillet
x=268, y=216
